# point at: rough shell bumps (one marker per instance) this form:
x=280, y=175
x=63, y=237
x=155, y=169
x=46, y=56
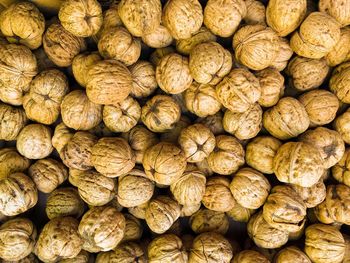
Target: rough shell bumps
x=206, y=220
x=12, y=120
x=341, y=170
x=339, y=82
x=291, y=254
x=11, y=162
x=81, y=64
x=337, y=9
x=250, y=256
x=184, y=46
x=144, y=81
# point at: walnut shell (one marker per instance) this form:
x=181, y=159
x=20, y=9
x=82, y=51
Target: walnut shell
x=298, y=163
x=283, y=55
x=111, y=18
x=156, y=56
x=23, y=23
x=82, y=257
x=64, y=202
x=239, y=213
x=12, y=162
x=340, y=52
x=61, y=137
x=337, y=9
x=340, y=171
x=133, y=228
x=144, y=81
x=59, y=239
x=339, y=82
x=291, y=254
x=256, y=13
x=160, y=37
x=184, y=46
x=206, y=220
x=183, y=18
x=62, y=46
x=347, y=251
x=313, y=195
x=113, y=157
x=81, y=64
x=341, y=125
x=239, y=90
x=81, y=18
x=127, y=252
x=139, y=211
x=173, y=134
x=12, y=120
x=287, y=119
x=189, y=210
x=34, y=141
x=213, y=122
x=17, y=237
x=250, y=256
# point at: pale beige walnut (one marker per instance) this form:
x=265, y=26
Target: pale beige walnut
x=17, y=239
x=317, y=36
x=341, y=51
x=82, y=257
x=117, y=43
x=113, y=157
x=156, y=56
x=329, y=142
x=64, y=202
x=206, y=220
x=338, y=9
x=203, y=166
x=183, y=18
x=167, y=248
x=298, y=163
x=23, y=23
x=48, y=174
x=223, y=17
x=284, y=54
x=256, y=12
x=342, y=125
x=313, y=195
x=291, y=254
x=133, y=228
x=339, y=82
x=160, y=113
x=189, y=210
x=250, y=188
x=108, y=82
x=62, y=46
x=139, y=211
x=160, y=37
x=144, y=81
x=172, y=135
x=245, y=125
x=250, y=256
x=81, y=64
x=125, y=252
x=239, y=90
x=213, y=122
x=210, y=247
x=324, y=244
x=272, y=87
x=134, y=188
x=46, y=92
x=239, y=213
x=111, y=19
x=78, y=112
x=184, y=46
x=287, y=119
x=260, y=153
x=34, y=141
x=12, y=120
x=12, y=162
x=58, y=240
x=82, y=18
x=228, y=155
x=61, y=136
x=161, y=213
x=164, y=163
x=122, y=117
x=341, y=170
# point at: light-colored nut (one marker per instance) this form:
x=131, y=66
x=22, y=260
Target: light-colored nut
x=239, y=213
x=61, y=136
x=128, y=252
x=82, y=257
x=184, y=46
x=340, y=171
x=29, y=259
x=111, y=18
x=133, y=228
x=81, y=64
x=144, y=81
x=189, y=210
x=12, y=162
x=213, y=122
x=283, y=55
x=206, y=220
x=313, y=195
x=291, y=254
x=250, y=256
x=158, y=38
x=339, y=82
x=12, y=120
x=337, y=9
x=341, y=125
x=159, y=53
x=256, y=13
x=340, y=52
x=139, y=211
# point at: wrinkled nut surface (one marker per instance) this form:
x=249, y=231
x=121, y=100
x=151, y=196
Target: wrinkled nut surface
x=111, y=18
x=337, y=9
x=213, y=122
x=158, y=38
x=313, y=195
x=12, y=162
x=206, y=220
x=184, y=46
x=283, y=55
x=12, y=120
x=250, y=256
x=133, y=228
x=239, y=213
x=59, y=239
x=139, y=211
x=341, y=125
x=81, y=64
x=291, y=254
x=189, y=210
x=172, y=135
x=17, y=239
x=256, y=13
x=156, y=56
x=339, y=82
x=340, y=52
x=341, y=170
x=125, y=252
x=82, y=257
x=144, y=81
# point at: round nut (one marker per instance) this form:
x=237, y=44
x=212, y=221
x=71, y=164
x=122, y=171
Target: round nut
x=184, y=46
x=291, y=254
x=341, y=125
x=111, y=18
x=139, y=211
x=213, y=122
x=61, y=137
x=156, y=56
x=12, y=120
x=133, y=228
x=128, y=252
x=144, y=81
x=239, y=213
x=160, y=37
x=250, y=256
x=82, y=257
x=189, y=210
x=340, y=171
x=312, y=196
x=81, y=64
x=206, y=220
x=256, y=13
x=12, y=162
x=283, y=55
x=337, y=10
x=339, y=82
x=340, y=52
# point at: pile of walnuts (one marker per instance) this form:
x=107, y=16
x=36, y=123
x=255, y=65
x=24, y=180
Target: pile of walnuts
x=175, y=131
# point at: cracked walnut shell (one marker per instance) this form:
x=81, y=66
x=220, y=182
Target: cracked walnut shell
x=340, y=171
x=291, y=254
x=12, y=162
x=12, y=120
x=144, y=81
x=81, y=64
x=206, y=220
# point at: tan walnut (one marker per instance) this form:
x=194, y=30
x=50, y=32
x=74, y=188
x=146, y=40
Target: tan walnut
x=250, y=256
x=341, y=170
x=339, y=82
x=81, y=64
x=172, y=135
x=184, y=46
x=82, y=257
x=256, y=12
x=12, y=162
x=139, y=211
x=133, y=228
x=156, y=55
x=144, y=81
x=206, y=220
x=291, y=254
x=158, y=38
x=239, y=213
x=341, y=125
x=111, y=19
x=313, y=195
x=337, y=9
x=341, y=51
x=129, y=252
x=213, y=122
x=284, y=54
x=12, y=120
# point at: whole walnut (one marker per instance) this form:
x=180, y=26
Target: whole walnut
x=108, y=82
x=317, y=35
x=156, y=55
x=81, y=18
x=213, y=122
x=47, y=90
x=61, y=136
x=122, y=117
x=12, y=120
x=164, y=163
x=189, y=210
x=62, y=46
x=183, y=18
x=113, y=157
x=339, y=82
x=245, y=125
x=340, y=52
x=12, y=162
x=160, y=37
x=134, y=188
x=34, y=141
x=291, y=254
x=347, y=251
x=250, y=188
x=312, y=196
x=17, y=237
x=228, y=155
x=341, y=125
x=81, y=64
x=239, y=213
x=184, y=46
x=161, y=213
x=139, y=211
x=167, y=248
x=210, y=247
x=329, y=142
x=64, y=202
x=250, y=256
x=287, y=119
x=133, y=228
x=82, y=257
x=256, y=12
x=117, y=43
x=48, y=174
x=298, y=163
x=144, y=81
x=340, y=171
x=223, y=17
x=336, y=9
x=284, y=54
x=111, y=18
x=23, y=23
x=58, y=240
x=324, y=243
x=239, y=90
x=125, y=252
x=206, y=220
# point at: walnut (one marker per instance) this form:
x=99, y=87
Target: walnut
x=111, y=18
x=336, y=9
x=23, y=23
x=113, y=157
x=127, y=252
x=156, y=56
x=340, y=52
x=160, y=37
x=339, y=82
x=239, y=213
x=256, y=13
x=12, y=120
x=81, y=64
x=312, y=196
x=250, y=256
x=287, y=119
x=183, y=18
x=62, y=46
x=34, y=141
x=12, y=162
x=61, y=137
x=43, y=61
x=139, y=211
x=340, y=171
x=58, y=240
x=291, y=254
x=298, y=163
x=133, y=228
x=213, y=122
x=189, y=210
x=161, y=214
x=317, y=36
x=144, y=81
x=82, y=257
x=283, y=56
x=173, y=134
x=239, y=90
x=341, y=125
x=324, y=244
x=347, y=251
x=17, y=238
x=206, y=220
x=228, y=155
x=101, y=131
x=184, y=46
x=64, y=202
x=81, y=18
